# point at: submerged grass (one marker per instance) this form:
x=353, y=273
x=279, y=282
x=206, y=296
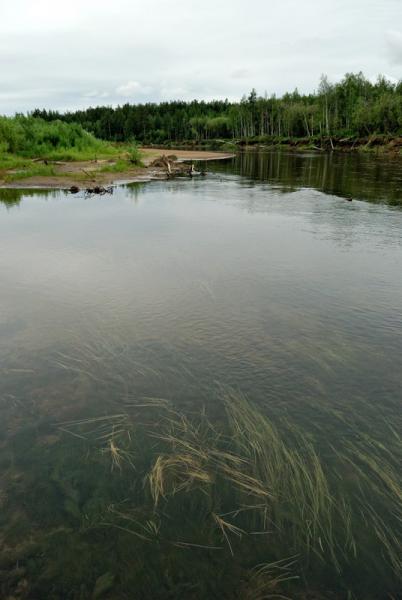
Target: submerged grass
x=268, y=484
x=254, y=489
x=238, y=501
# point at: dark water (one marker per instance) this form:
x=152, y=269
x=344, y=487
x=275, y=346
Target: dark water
x=262, y=277
x=361, y=176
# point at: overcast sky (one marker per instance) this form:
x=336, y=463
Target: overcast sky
x=79, y=53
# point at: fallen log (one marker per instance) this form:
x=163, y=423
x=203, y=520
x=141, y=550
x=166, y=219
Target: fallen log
x=46, y=161
x=175, y=169
x=99, y=189
x=88, y=175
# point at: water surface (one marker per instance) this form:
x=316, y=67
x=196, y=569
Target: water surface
x=262, y=277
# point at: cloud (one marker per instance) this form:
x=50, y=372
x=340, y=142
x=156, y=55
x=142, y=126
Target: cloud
x=374, y=78
x=132, y=89
x=241, y=73
x=89, y=54
x=168, y=92
x=394, y=44
x=96, y=94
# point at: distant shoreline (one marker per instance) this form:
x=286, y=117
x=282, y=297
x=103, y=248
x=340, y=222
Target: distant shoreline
x=377, y=144
x=102, y=172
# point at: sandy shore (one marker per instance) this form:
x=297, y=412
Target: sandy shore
x=184, y=155
x=84, y=174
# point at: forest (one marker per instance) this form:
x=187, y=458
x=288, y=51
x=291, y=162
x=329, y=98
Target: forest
x=354, y=106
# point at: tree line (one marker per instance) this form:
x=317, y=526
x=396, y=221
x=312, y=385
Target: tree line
x=354, y=106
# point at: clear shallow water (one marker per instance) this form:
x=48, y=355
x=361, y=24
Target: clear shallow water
x=253, y=278
x=281, y=294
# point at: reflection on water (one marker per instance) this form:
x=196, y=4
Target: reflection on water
x=269, y=284
x=349, y=175
x=13, y=196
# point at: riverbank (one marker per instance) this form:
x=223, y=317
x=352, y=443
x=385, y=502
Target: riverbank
x=107, y=170
x=378, y=144
x=43, y=173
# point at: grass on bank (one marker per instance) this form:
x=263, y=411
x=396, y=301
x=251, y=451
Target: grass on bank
x=30, y=171
x=23, y=140
x=31, y=137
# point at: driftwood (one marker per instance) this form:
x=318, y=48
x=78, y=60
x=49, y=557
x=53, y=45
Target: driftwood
x=163, y=161
x=46, y=161
x=91, y=177
x=98, y=189
x=175, y=169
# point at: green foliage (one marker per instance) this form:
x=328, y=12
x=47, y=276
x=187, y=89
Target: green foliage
x=35, y=137
x=134, y=155
x=353, y=106
x=116, y=167
x=32, y=170
x=9, y=161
